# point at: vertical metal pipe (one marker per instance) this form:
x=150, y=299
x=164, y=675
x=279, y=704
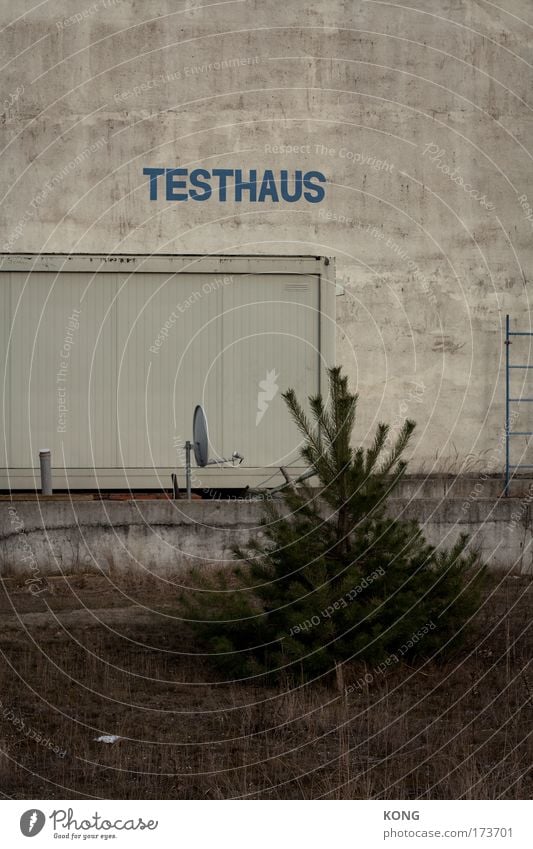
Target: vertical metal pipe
x=188, y=447
x=507, y=393
x=45, y=460
x=175, y=487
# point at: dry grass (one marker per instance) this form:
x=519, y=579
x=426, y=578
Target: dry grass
x=458, y=730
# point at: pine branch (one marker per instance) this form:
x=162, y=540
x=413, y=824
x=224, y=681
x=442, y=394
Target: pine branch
x=398, y=448
x=373, y=453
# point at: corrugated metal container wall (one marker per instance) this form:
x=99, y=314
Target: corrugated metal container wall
x=104, y=358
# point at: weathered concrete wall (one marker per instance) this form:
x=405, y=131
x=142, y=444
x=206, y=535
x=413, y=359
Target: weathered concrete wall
x=154, y=537
x=417, y=114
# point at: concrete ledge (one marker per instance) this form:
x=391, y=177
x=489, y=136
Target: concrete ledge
x=50, y=538
x=501, y=530
x=157, y=536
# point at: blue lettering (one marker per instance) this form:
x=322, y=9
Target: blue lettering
x=222, y=174
x=285, y=194
x=173, y=184
x=268, y=188
x=242, y=186
x=320, y=192
x=153, y=173
x=237, y=185
x=200, y=184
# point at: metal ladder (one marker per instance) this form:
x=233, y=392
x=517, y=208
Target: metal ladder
x=509, y=467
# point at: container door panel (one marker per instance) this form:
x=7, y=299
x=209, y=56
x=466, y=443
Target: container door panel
x=271, y=328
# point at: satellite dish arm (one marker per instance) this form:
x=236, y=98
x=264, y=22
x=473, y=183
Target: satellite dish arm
x=221, y=460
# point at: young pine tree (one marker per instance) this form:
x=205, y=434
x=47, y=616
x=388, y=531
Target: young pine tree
x=332, y=577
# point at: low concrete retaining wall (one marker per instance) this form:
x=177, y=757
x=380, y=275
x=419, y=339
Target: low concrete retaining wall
x=48, y=537
x=154, y=536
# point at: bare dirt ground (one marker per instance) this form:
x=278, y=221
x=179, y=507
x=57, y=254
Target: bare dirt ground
x=92, y=656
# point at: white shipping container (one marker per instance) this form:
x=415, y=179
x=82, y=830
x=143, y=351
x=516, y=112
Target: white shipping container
x=103, y=359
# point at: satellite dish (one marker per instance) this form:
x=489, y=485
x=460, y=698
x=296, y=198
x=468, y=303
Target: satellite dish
x=200, y=447
x=200, y=436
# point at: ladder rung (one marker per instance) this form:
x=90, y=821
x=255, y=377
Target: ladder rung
x=520, y=399
x=521, y=433
x=520, y=366
x=522, y=333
